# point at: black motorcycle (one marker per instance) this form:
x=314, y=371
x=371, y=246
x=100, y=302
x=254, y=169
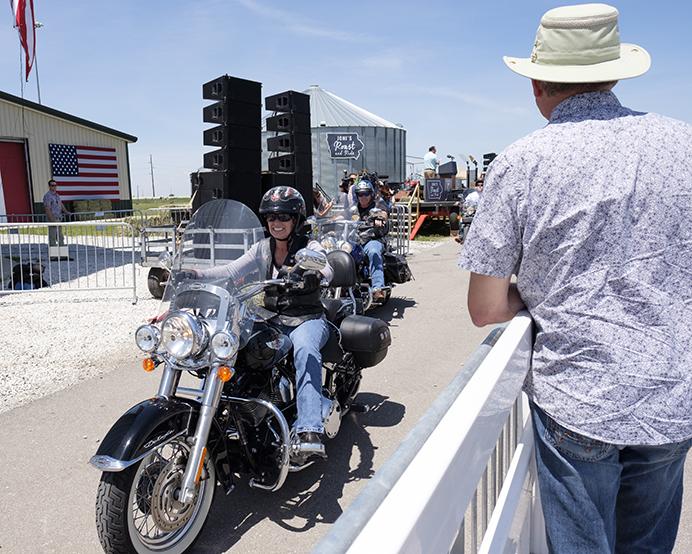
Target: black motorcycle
x=163, y=459
x=350, y=235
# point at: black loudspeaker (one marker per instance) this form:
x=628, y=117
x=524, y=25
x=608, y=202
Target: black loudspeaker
x=244, y=187
x=297, y=142
x=233, y=113
x=487, y=159
x=237, y=136
x=292, y=150
x=234, y=159
x=234, y=89
x=289, y=101
x=233, y=136
x=289, y=123
x=291, y=163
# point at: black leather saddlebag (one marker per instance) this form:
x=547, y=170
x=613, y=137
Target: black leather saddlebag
x=396, y=268
x=367, y=338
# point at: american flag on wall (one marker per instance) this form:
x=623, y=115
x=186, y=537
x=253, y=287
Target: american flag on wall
x=85, y=172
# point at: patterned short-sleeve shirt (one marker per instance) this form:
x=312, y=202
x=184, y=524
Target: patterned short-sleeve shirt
x=593, y=213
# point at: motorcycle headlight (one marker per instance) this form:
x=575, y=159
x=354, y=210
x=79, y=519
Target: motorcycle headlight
x=345, y=246
x=328, y=244
x=182, y=335
x=224, y=345
x=147, y=338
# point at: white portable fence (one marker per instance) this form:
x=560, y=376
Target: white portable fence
x=400, y=228
x=463, y=480
x=67, y=256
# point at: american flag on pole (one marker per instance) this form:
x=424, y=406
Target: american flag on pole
x=23, y=11
x=85, y=172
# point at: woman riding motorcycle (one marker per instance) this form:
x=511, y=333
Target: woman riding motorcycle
x=299, y=311
x=374, y=248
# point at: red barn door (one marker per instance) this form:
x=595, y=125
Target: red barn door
x=15, y=182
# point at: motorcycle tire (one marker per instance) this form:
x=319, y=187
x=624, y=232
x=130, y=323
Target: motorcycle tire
x=121, y=493
x=156, y=281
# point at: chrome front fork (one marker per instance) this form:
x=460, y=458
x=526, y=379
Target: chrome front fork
x=198, y=451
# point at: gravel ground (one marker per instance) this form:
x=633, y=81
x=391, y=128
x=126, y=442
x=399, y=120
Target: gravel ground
x=53, y=340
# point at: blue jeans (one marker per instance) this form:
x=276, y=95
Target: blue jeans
x=374, y=250
x=308, y=339
x=600, y=498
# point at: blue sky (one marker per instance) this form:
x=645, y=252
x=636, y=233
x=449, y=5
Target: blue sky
x=436, y=68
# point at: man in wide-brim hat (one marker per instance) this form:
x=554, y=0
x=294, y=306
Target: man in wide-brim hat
x=604, y=268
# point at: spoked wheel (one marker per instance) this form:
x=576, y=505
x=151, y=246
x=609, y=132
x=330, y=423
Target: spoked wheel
x=137, y=509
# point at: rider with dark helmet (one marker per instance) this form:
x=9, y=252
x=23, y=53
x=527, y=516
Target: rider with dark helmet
x=299, y=311
x=374, y=248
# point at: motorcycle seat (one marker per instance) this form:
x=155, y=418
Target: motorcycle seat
x=344, y=269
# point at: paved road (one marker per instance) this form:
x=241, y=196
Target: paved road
x=47, y=490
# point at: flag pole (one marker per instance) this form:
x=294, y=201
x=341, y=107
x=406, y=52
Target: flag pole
x=37, y=25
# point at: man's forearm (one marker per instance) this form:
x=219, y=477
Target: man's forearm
x=492, y=300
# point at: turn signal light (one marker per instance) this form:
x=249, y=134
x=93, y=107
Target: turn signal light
x=148, y=364
x=225, y=373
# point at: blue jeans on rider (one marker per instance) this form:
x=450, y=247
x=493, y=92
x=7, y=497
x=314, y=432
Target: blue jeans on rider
x=374, y=250
x=308, y=338
x=600, y=498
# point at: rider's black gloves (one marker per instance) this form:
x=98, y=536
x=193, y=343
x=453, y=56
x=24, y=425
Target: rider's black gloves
x=311, y=279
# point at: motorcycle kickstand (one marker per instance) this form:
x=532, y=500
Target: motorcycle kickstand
x=359, y=408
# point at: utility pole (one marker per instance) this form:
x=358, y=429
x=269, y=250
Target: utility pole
x=153, y=189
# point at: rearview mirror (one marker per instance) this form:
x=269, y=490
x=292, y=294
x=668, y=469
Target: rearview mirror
x=310, y=259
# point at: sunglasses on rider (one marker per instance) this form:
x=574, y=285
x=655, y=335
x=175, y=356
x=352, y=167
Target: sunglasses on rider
x=364, y=194
x=280, y=217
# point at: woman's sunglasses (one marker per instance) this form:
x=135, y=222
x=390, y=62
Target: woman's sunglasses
x=364, y=194
x=280, y=217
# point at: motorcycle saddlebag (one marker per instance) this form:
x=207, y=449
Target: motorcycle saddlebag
x=396, y=268
x=367, y=338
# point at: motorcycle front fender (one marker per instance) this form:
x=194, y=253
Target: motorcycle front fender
x=143, y=428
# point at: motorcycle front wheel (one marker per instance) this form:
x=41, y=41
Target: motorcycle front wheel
x=137, y=509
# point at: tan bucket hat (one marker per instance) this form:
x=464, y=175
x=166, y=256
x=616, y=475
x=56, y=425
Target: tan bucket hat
x=581, y=44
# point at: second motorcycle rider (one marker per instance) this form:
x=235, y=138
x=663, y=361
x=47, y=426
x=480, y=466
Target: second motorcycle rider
x=374, y=247
x=299, y=311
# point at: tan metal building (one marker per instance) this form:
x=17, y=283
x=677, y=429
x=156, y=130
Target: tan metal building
x=89, y=161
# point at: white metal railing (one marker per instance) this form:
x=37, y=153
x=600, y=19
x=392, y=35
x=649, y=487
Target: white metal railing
x=67, y=256
x=400, y=228
x=469, y=479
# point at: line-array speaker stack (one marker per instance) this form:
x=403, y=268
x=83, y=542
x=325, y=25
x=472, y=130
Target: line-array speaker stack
x=237, y=135
x=290, y=150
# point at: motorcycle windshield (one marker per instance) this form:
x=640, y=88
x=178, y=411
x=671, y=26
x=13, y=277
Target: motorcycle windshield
x=219, y=233
x=328, y=230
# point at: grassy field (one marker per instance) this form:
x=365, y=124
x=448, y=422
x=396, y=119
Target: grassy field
x=163, y=202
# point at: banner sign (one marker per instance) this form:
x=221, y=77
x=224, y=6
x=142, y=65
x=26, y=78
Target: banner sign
x=434, y=190
x=344, y=145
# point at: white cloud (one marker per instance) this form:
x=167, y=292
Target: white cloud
x=464, y=97
x=297, y=24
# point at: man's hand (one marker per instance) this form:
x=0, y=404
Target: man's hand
x=492, y=299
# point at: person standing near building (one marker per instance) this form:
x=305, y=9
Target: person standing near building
x=603, y=267
x=430, y=163
x=54, y=209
